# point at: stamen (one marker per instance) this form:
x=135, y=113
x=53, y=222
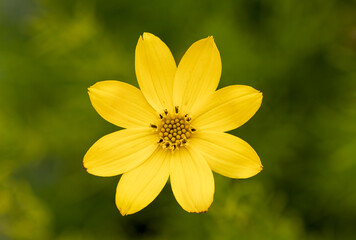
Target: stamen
x=175, y=130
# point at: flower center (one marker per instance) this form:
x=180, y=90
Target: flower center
x=173, y=130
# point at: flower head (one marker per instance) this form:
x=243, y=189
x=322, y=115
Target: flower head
x=174, y=127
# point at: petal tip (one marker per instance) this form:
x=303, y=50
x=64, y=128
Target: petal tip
x=147, y=36
x=91, y=89
x=199, y=211
x=258, y=169
x=258, y=94
x=86, y=169
x=139, y=42
x=84, y=163
x=123, y=213
x=210, y=39
x=97, y=85
x=202, y=212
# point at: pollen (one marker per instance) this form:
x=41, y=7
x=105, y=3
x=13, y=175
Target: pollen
x=174, y=129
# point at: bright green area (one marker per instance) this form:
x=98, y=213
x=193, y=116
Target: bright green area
x=300, y=54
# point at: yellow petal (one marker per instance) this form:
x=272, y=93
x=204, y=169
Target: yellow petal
x=228, y=108
x=139, y=187
x=226, y=154
x=121, y=104
x=155, y=70
x=120, y=151
x=198, y=74
x=192, y=180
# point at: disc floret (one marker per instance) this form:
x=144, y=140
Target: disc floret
x=173, y=130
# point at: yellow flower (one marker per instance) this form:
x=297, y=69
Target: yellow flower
x=174, y=127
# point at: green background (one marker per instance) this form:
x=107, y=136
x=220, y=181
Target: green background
x=300, y=54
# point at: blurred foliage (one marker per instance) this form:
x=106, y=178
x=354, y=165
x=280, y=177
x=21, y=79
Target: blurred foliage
x=300, y=54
